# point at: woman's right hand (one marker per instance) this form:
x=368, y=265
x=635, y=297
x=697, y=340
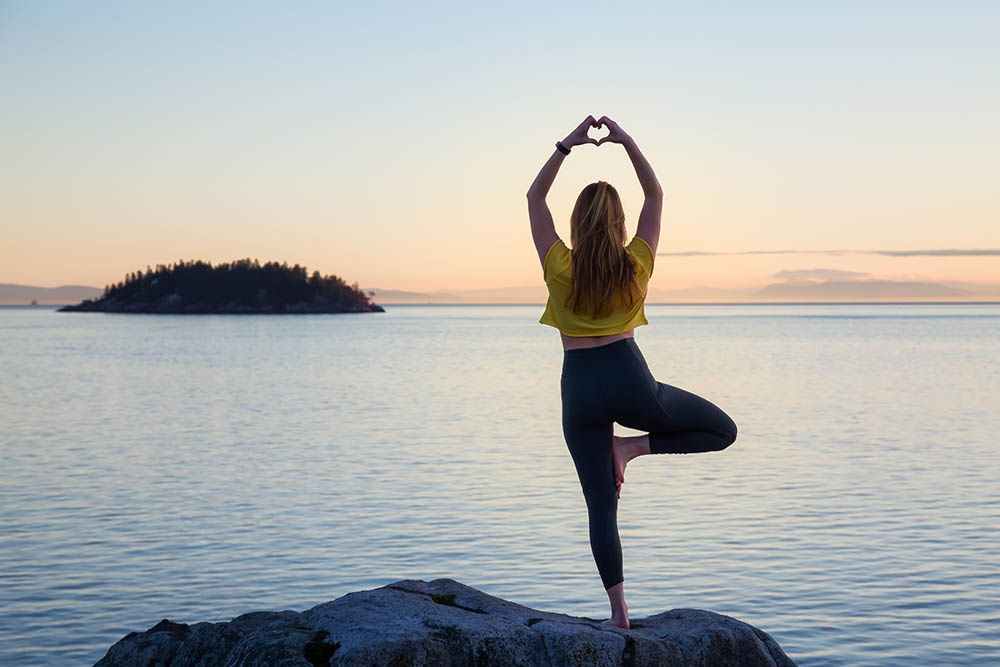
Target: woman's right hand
x=617, y=135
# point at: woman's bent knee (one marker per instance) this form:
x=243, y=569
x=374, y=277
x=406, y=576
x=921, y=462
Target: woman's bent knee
x=729, y=435
x=725, y=432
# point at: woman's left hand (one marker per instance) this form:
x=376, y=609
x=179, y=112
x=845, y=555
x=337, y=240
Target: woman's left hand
x=579, y=135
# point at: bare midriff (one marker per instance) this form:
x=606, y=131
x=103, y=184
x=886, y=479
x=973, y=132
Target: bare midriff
x=577, y=342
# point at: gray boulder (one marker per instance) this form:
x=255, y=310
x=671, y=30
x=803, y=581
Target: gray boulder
x=444, y=622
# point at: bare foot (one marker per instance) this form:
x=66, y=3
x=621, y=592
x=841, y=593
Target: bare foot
x=619, y=610
x=624, y=450
x=620, y=459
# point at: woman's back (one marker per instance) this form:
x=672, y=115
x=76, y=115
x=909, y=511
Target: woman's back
x=579, y=327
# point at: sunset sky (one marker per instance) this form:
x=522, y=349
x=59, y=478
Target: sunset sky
x=392, y=143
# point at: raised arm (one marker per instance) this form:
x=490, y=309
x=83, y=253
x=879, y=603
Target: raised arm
x=649, y=217
x=543, y=230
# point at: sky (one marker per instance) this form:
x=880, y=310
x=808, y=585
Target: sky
x=392, y=144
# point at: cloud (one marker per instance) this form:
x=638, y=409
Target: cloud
x=841, y=284
x=941, y=252
x=818, y=274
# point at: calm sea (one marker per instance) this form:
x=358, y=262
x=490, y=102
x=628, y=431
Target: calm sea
x=196, y=468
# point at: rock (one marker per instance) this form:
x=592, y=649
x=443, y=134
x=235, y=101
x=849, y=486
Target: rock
x=444, y=622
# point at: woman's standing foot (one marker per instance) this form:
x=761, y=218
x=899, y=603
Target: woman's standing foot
x=617, y=622
x=619, y=610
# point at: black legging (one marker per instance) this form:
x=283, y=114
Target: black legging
x=612, y=383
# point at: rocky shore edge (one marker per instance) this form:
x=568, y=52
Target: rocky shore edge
x=445, y=622
x=173, y=304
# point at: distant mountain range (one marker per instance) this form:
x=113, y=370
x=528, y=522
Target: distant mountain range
x=11, y=294
x=869, y=289
x=789, y=290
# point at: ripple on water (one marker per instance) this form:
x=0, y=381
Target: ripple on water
x=196, y=469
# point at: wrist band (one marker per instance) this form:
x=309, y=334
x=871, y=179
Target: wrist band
x=562, y=148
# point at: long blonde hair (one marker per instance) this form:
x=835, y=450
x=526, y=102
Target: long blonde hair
x=601, y=269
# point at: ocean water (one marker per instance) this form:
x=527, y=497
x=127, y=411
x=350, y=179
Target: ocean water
x=196, y=468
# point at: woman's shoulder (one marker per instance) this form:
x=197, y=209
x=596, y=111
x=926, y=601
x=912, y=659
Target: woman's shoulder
x=639, y=248
x=639, y=244
x=556, y=259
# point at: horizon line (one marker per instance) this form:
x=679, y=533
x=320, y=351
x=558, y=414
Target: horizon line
x=648, y=303
x=942, y=252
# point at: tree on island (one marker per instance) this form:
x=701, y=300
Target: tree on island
x=240, y=286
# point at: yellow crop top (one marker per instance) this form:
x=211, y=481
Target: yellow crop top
x=557, y=272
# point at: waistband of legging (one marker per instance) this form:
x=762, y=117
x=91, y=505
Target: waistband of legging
x=616, y=347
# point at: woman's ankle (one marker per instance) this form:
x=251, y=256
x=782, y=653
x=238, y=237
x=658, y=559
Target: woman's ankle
x=637, y=445
x=616, y=596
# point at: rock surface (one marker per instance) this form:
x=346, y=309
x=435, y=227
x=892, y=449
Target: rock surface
x=444, y=622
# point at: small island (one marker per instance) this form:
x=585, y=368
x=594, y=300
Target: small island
x=238, y=287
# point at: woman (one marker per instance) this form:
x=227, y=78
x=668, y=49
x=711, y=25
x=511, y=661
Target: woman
x=596, y=296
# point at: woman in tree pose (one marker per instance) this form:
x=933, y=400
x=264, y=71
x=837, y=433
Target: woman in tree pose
x=596, y=296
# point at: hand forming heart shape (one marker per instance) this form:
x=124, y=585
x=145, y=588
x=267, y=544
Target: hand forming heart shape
x=581, y=135
x=602, y=137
